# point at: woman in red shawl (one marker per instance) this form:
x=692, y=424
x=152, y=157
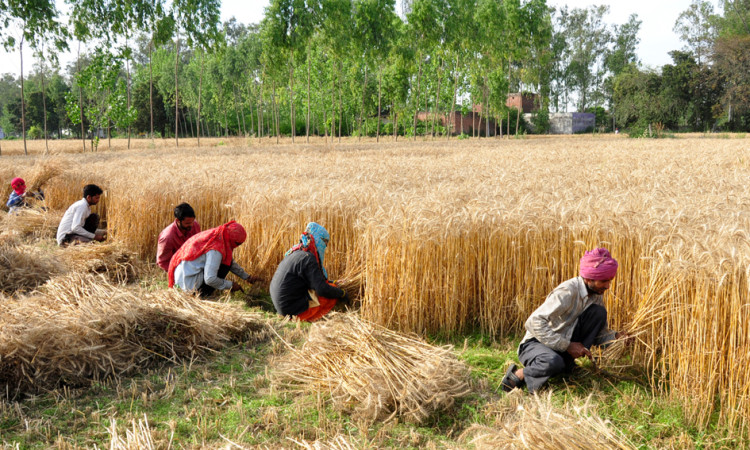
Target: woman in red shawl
x=204, y=260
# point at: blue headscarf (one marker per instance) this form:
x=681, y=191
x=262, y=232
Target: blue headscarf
x=320, y=236
x=319, y=233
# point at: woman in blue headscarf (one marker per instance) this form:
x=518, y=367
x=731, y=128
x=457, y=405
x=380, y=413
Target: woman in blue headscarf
x=300, y=286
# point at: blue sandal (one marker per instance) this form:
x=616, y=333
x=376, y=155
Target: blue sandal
x=510, y=380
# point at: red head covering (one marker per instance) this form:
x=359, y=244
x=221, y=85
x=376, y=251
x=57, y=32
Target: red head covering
x=18, y=185
x=597, y=264
x=224, y=238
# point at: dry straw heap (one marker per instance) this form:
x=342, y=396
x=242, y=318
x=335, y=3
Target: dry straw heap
x=534, y=422
x=376, y=373
x=449, y=236
x=79, y=328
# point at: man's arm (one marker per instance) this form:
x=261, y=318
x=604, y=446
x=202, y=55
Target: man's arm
x=164, y=252
x=605, y=335
x=558, y=303
x=77, y=224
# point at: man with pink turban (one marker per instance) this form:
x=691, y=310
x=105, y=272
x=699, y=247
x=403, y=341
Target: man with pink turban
x=569, y=322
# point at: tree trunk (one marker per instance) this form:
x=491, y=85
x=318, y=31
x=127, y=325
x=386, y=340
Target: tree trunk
x=23, y=102
x=260, y=105
x=362, y=110
x=380, y=84
x=395, y=126
x=518, y=119
x=436, y=107
x=508, y=126
x=151, y=86
x=236, y=109
x=176, y=93
x=250, y=104
x=333, y=106
x=452, y=118
x=341, y=110
x=291, y=94
x=486, y=108
x=416, y=101
x=44, y=107
x=275, y=111
x=200, y=98
x=127, y=74
x=307, y=126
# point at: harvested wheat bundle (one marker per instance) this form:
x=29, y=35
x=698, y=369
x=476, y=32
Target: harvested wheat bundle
x=79, y=327
x=42, y=172
x=23, y=268
x=533, y=422
x=36, y=222
x=375, y=372
x=111, y=259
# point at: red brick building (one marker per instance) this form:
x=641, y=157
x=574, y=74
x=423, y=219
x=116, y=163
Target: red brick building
x=525, y=102
x=465, y=123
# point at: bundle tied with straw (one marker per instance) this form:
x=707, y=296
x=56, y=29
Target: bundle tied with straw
x=79, y=328
x=111, y=259
x=374, y=372
x=532, y=422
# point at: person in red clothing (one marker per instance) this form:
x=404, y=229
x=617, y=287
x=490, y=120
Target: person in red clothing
x=171, y=238
x=203, y=262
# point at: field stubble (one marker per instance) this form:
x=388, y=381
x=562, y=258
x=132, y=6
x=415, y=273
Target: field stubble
x=447, y=236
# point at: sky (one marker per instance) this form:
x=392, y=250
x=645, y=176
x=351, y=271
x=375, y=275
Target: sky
x=656, y=35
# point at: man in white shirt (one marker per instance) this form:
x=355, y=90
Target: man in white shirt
x=79, y=225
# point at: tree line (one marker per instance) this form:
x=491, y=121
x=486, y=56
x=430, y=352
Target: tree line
x=356, y=68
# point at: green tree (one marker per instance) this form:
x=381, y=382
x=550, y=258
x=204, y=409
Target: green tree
x=37, y=22
x=695, y=27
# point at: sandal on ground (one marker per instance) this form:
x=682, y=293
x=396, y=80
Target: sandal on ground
x=510, y=380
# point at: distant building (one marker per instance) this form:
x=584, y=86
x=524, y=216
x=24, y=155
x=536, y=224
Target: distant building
x=2, y=134
x=565, y=123
x=571, y=123
x=463, y=123
x=525, y=102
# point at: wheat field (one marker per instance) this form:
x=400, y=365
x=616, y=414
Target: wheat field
x=450, y=236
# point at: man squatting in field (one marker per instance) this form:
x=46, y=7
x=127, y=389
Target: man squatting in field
x=177, y=233
x=78, y=224
x=204, y=261
x=569, y=322
x=300, y=286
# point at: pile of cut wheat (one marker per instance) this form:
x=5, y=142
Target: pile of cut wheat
x=533, y=422
x=78, y=328
x=375, y=372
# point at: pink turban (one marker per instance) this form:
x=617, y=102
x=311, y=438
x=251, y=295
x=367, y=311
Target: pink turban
x=18, y=185
x=597, y=264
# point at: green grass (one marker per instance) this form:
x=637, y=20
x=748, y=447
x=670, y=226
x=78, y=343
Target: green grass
x=229, y=395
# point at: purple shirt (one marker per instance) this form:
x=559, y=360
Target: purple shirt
x=170, y=240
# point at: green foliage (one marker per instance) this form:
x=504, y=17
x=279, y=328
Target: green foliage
x=34, y=132
x=541, y=121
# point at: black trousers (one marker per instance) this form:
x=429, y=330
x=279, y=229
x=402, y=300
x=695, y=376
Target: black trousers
x=91, y=224
x=206, y=290
x=541, y=362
